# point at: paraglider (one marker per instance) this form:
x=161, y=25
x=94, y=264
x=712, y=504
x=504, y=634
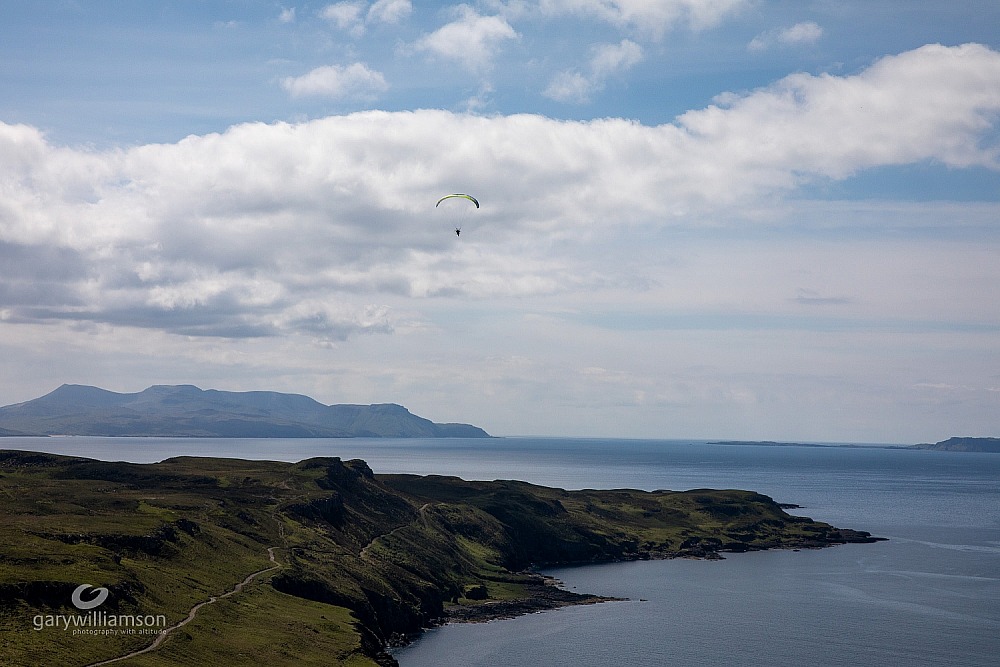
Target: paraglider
x=463, y=196
x=458, y=195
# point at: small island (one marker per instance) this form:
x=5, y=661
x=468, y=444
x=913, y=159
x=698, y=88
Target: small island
x=320, y=560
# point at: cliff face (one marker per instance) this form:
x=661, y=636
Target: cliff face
x=359, y=559
x=187, y=411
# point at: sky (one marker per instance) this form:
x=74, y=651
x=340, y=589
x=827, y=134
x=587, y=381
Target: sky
x=740, y=219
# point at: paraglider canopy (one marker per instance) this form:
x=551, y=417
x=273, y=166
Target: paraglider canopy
x=464, y=207
x=459, y=195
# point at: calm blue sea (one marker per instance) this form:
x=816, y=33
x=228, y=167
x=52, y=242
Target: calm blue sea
x=928, y=596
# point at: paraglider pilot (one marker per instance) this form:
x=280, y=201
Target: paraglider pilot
x=458, y=230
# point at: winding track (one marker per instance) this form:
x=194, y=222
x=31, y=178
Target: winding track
x=194, y=612
x=160, y=638
x=423, y=519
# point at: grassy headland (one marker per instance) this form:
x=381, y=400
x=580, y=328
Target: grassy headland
x=363, y=559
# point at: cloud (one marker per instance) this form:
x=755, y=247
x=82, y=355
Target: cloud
x=347, y=16
x=318, y=319
x=354, y=16
x=570, y=86
x=799, y=33
x=611, y=59
x=471, y=40
x=652, y=17
x=389, y=11
x=809, y=297
x=927, y=104
x=608, y=60
x=287, y=15
x=326, y=229
x=354, y=81
x=807, y=32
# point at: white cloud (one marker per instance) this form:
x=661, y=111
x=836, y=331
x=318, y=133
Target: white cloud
x=347, y=16
x=287, y=15
x=932, y=103
x=807, y=32
x=389, y=11
x=472, y=39
x=356, y=80
x=480, y=99
x=317, y=228
x=570, y=86
x=354, y=16
x=608, y=60
x=649, y=16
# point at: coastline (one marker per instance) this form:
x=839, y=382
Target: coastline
x=545, y=593
x=399, y=553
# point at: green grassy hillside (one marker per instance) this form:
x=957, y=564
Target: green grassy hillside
x=318, y=562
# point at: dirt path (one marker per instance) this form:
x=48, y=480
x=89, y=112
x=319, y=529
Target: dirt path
x=194, y=612
x=423, y=519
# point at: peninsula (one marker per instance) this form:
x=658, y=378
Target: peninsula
x=320, y=561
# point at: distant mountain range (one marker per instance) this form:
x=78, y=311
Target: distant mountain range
x=187, y=411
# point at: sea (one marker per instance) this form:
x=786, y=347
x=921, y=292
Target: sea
x=929, y=595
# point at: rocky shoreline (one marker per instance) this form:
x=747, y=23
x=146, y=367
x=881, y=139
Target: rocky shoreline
x=544, y=593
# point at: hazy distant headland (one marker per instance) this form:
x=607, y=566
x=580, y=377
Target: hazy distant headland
x=965, y=445
x=949, y=445
x=775, y=443
x=187, y=411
